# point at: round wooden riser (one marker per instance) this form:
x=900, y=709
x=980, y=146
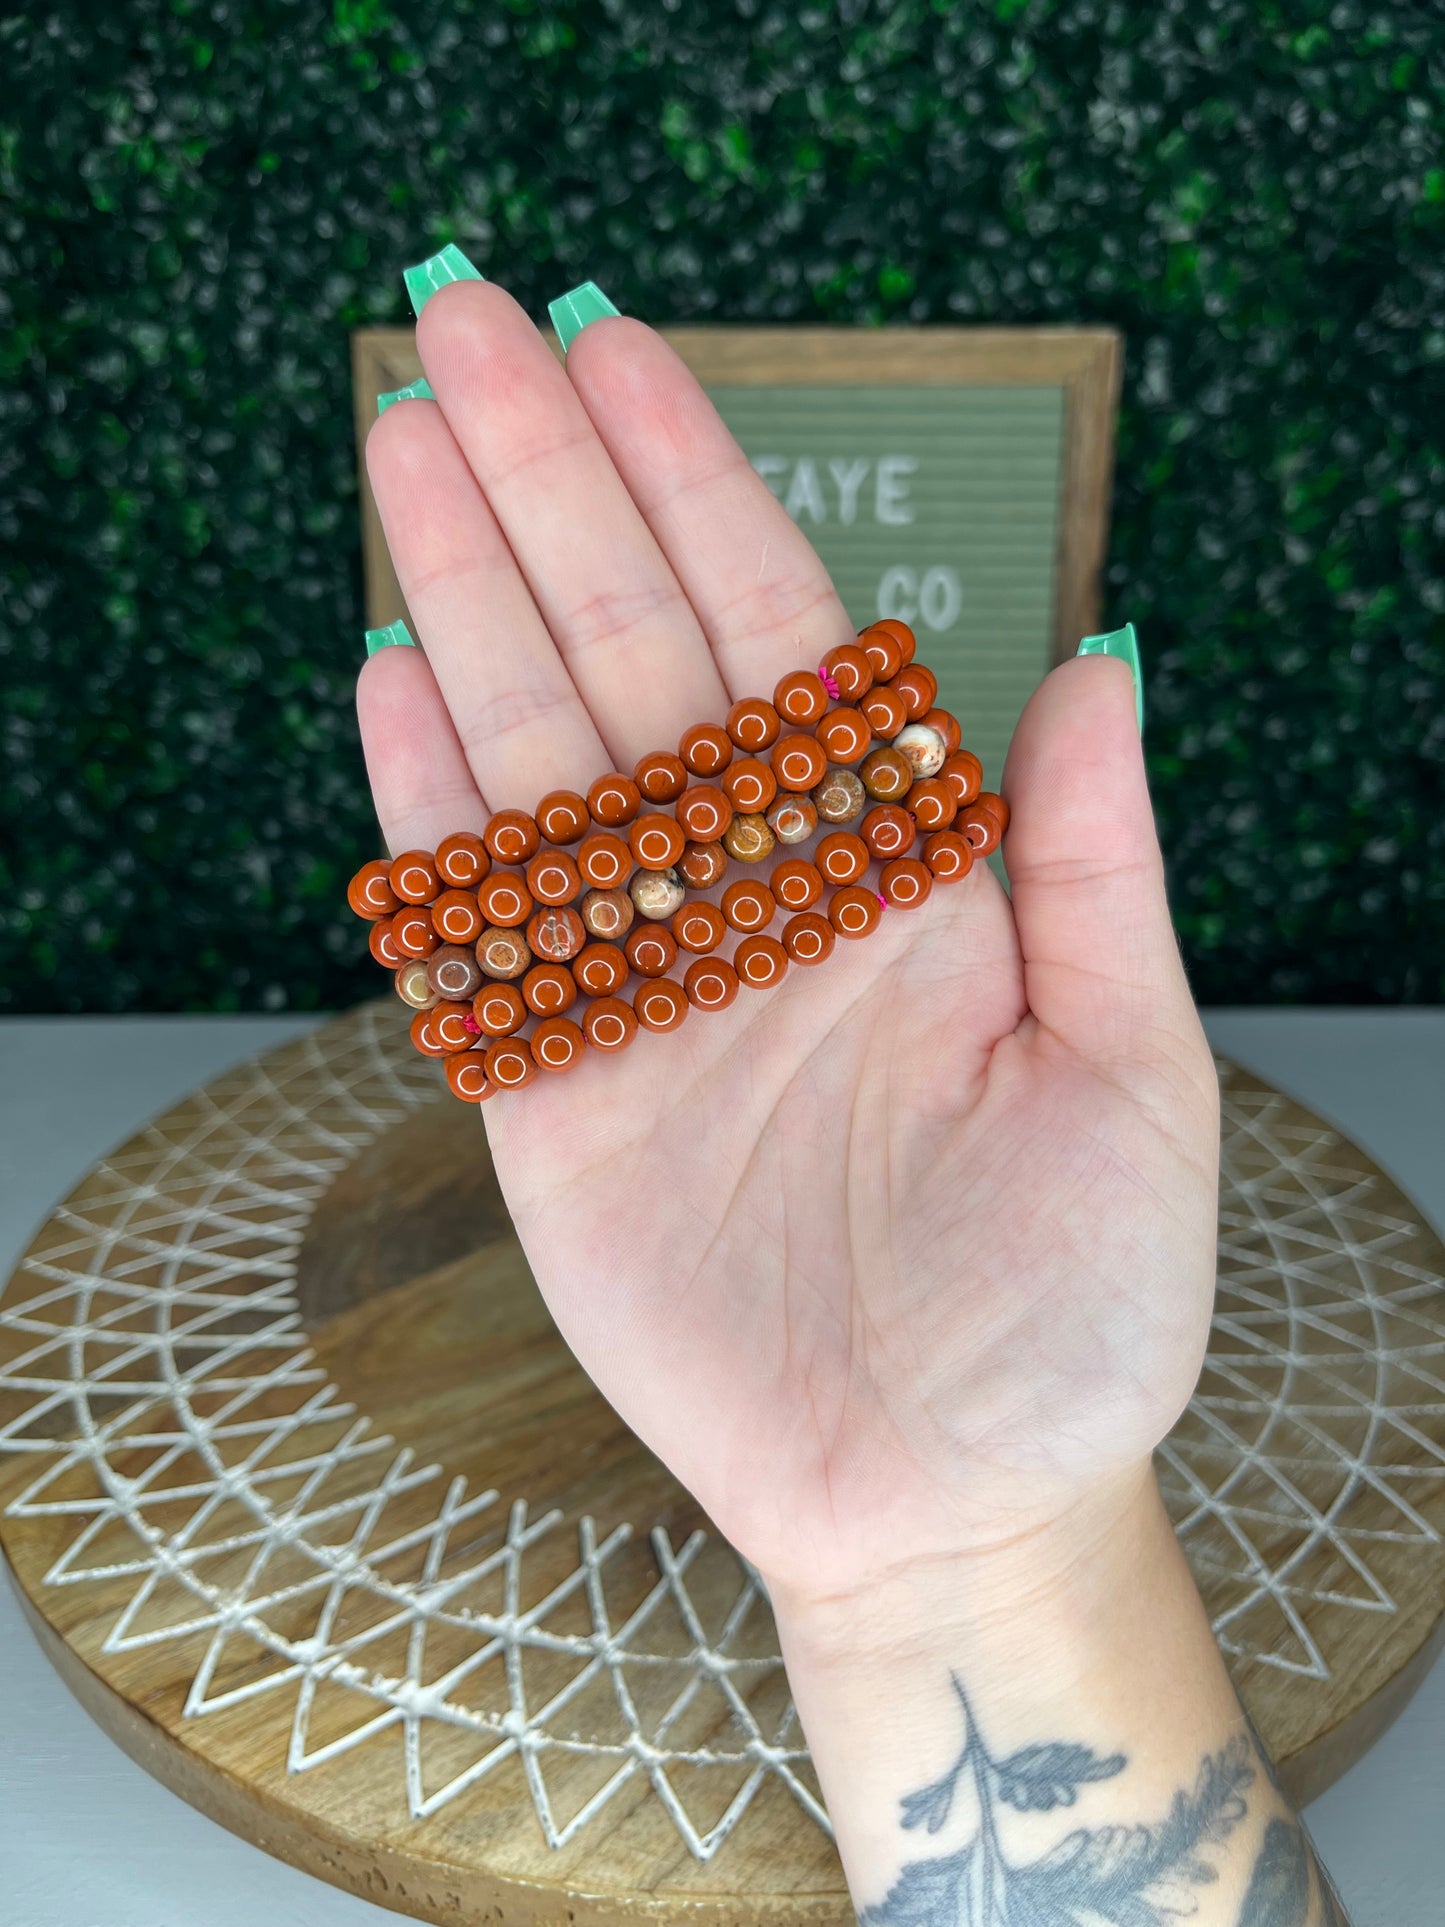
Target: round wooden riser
x=318, y=1516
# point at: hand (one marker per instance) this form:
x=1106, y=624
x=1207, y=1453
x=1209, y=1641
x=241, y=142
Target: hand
x=916, y=1252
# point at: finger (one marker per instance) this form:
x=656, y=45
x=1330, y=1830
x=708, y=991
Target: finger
x=763, y=597
x=421, y=782
x=1101, y=964
x=630, y=641
x=521, y=722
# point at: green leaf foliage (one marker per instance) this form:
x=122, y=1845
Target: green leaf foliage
x=200, y=198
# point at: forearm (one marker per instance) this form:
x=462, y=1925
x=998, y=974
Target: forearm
x=1045, y=1733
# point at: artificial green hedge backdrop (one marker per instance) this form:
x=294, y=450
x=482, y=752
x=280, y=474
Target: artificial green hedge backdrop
x=201, y=198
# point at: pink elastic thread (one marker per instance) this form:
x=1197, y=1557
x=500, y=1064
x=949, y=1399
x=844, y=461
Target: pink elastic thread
x=471, y=1026
x=881, y=898
x=830, y=683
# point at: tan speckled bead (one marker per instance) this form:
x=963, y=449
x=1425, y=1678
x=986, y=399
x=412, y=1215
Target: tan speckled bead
x=808, y=938
x=651, y=950
x=505, y=900
x=453, y=1025
x=553, y=877
x=512, y=836
x=414, y=877
x=923, y=747
x=563, y=816
x=906, y=882
x=549, y=989
x=609, y=1024
x=749, y=905
x=704, y=812
x=711, y=983
x=880, y=646
x=555, y=934
x=604, y=860
x=799, y=762
x=613, y=800
x=753, y=725
x=381, y=942
x=706, y=748
x=453, y=973
x=932, y=803
x=792, y=819
x=963, y=773
x=423, y=1034
x=901, y=634
x=467, y=1076
x=749, y=839
x=661, y=776
x=749, y=785
x=839, y=797
x=699, y=927
x=661, y=1005
x=849, y=669
x=886, y=775
x=657, y=894
x=947, y=725
x=370, y=893
x=701, y=865
x=854, y=911
x=760, y=962
x=796, y=884
x=846, y=735
x=499, y=1009
x=413, y=986
x=657, y=841
x=463, y=860
x=948, y=856
x=503, y=954
x=456, y=917
x=841, y=856
x=800, y=698
x=600, y=970
x=888, y=830
x=886, y=711
x=557, y=1044
x=412, y=931
x=918, y=687
x=608, y=914
x=510, y=1064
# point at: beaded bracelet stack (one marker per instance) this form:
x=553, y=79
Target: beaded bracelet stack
x=489, y=935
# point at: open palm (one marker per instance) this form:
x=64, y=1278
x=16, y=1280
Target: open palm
x=919, y=1245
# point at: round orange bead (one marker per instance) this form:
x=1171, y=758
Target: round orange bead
x=412, y=931
x=901, y=634
x=456, y=917
x=841, y=857
x=885, y=658
x=948, y=856
x=796, y=883
x=413, y=985
x=414, y=877
x=555, y=934
x=703, y=864
x=563, y=816
x=608, y=914
x=749, y=785
x=651, y=950
x=886, y=775
x=906, y=882
x=846, y=735
x=699, y=927
x=657, y=841
x=749, y=905
x=557, y=1044
x=614, y=799
x=886, y=711
x=710, y=983
x=749, y=839
x=381, y=942
x=661, y=1005
x=753, y=725
x=453, y=1025
x=800, y=697
x=808, y=938
x=453, y=973
x=509, y=1063
x=706, y=749
x=600, y=969
x=503, y=954
x=799, y=762
x=512, y=836
x=932, y=803
x=947, y=725
x=853, y=912
x=919, y=689
x=604, y=860
x=704, y=812
x=609, y=1024
x=980, y=826
x=660, y=776
x=499, y=1009
x=849, y=669
x=888, y=831
x=992, y=800
x=553, y=877
x=370, y=893
x=549, y=989
x=467, y=1076
x=463, y=860
x=760, y=962
x=839, y=797
x=793, y=819
x=504, y=899
x=963, y=773
x=423, y=1034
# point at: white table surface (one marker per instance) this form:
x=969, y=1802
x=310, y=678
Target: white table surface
x=87, y=1839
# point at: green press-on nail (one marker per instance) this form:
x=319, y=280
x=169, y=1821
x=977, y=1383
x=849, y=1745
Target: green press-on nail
x=418, y=390
x=1123, y=643
x=426, y=277
x=396, y=635
x=572, y=311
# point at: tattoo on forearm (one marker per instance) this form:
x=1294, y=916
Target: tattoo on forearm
x=1108, y=1876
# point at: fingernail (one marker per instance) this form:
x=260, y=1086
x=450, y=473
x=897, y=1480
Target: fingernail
x=426, y=277
x=396, y=635
x=572, y=311
x=418, y=390
x=1123, y=643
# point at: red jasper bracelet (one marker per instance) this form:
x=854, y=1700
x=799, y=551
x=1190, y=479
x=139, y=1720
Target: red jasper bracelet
x=487, y=935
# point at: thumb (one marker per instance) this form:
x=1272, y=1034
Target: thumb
x=1101, y=964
